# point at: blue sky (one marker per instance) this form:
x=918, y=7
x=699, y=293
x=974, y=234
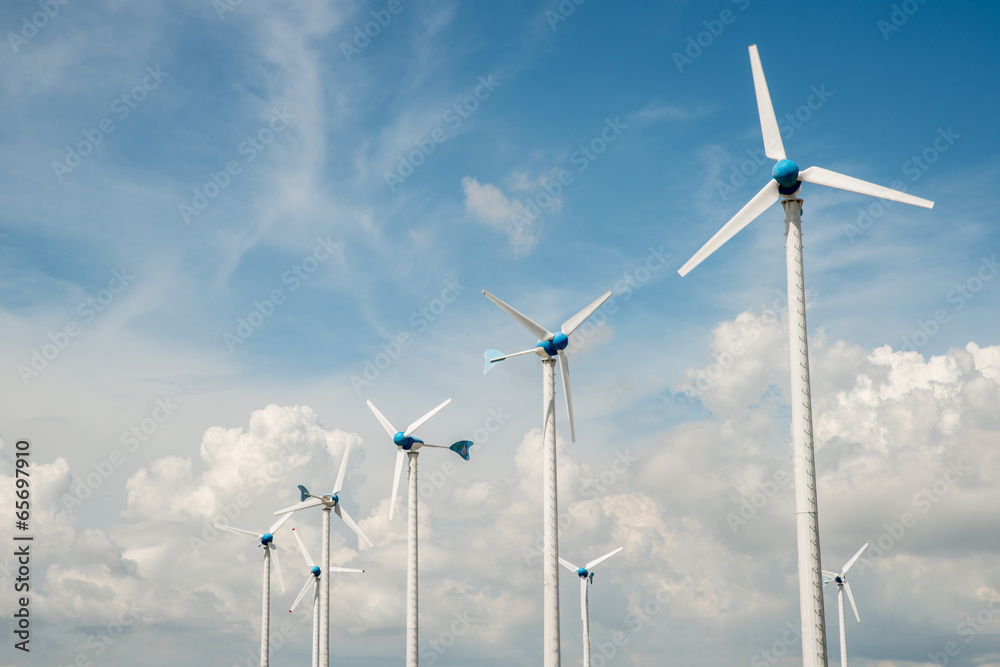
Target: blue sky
x=212, y=205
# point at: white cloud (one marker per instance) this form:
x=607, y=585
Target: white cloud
x=490, y=206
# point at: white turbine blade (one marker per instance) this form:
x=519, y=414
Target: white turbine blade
x=420, y=422
x=829, y=575
x=362, y=538
x=382, y=420
x=344, y=569
x=343, y=470
x=847, y=587
x=773, y=147
x=310, y=581
x=760, y=203
x=400, y=455
x=540, y=332
x=594, y=563
x=277, y=566
x=583, y=598
x=279, y=523
x=564, y=368
x=302, y=549
x=312, y=502
x=831, y=179
x=571, y=325
x=856, y=556
x=240, y=531
x=568, y=565
x=516, y=354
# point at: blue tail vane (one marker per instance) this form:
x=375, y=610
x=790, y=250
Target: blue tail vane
x=490, y=354
x=305, y=493
x=462, y=448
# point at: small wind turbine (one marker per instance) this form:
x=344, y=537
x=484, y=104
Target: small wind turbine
x=267, y=541
x=785, y=184
x=408, y=447
x=841, y=579
x=313, y=580
x=586, y=575
x=549, y=346
x=330, y=501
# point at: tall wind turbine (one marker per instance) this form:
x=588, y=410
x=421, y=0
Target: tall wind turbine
x=841, y=579
x=785, y=184
x=330, y=501
x=586, y=575
x=408, y=447
x=550, y=345
x=313, y=581
x=267, y=541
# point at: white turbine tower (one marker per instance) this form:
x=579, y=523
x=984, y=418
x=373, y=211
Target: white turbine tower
x=841, y=580
x=329, y=502
x=548, y=347
x=313, y=581
x=267, y=541
x=408, y=448
x=586, y=575
x=785, y=184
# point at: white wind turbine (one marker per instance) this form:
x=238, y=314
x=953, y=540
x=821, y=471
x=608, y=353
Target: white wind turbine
x=408, y=448
x=313, y=581
x=586, y=575
x=549, y=347
x=785, y=184
x=330, y=501
x=267, y=541
x=841, y=580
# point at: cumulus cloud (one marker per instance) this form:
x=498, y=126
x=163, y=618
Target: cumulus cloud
x=490, y=206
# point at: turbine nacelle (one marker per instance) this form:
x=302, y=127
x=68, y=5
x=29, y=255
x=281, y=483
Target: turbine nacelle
x=406, y=442
x=551, y=347
x=786, y=173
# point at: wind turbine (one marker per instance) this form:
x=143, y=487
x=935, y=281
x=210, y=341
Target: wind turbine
x=785, y=184
x=586, y=575
x=408, y=447
x=841, y=579
x=267, y=541
x=330, y=501
x=313, y=580
x=548, y=347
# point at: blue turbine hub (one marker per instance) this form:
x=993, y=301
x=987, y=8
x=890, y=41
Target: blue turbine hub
x=582, y=572
x=552, y=347
x=786, y=173
x=315, y=570
x=266, y=538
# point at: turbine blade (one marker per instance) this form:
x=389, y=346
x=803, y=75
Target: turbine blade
x=344, y=569
x=856, y=556
x=847, y=587
x=564, y=368
x=571, y=325
x=362, y=538
x=382, y=420
x=277, y=566
x=831, y=575
x=312, y=502
x=240, y=531
x=420, y=422
x=773, y=147
x=400, y=455
x=583, y=599
x=343, y=470
x=310, y=580
x=302, y=549
x=537, y=330
x=568, y=565
x=594, y=563
x=279, y=523
x=760, y=203
x=831, y=179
